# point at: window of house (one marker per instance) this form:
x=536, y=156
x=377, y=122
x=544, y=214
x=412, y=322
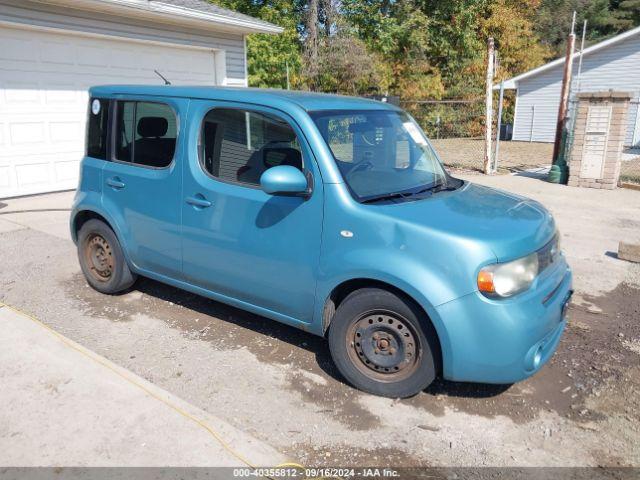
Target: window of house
x=97, y=126
x=145, y=133
x=239, y=145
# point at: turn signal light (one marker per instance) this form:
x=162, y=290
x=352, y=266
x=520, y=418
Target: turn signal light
x=485, y=282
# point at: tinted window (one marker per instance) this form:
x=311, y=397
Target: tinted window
x=238, y=145
x=145, y=133
x=380, y=152
x=125, y=113
x=97, y=128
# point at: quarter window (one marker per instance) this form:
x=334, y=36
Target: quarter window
x=97, y=128
x=145, y=133
x=239, y=145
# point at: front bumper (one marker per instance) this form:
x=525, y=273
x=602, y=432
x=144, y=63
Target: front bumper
x=506, y=340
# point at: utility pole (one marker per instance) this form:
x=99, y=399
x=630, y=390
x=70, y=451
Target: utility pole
x=584, y=34
x=564, y=93
x=489, y=106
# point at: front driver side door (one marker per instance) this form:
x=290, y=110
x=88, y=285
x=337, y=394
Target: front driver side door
x=238, y=241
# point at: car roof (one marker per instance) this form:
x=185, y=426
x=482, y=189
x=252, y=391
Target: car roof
x=309, y=101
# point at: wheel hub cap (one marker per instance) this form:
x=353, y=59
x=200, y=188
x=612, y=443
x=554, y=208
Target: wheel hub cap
x=383, y=343
x=99, y=257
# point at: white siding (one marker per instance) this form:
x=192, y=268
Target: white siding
x=538, y=100
x=614, y=67
x=50, y=56
x=44, y=77
x=35, y=13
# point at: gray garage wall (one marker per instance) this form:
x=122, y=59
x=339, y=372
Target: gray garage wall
x=33, y=13
x=614, y=67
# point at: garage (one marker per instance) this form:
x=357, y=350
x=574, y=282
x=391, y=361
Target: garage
x=47, y=67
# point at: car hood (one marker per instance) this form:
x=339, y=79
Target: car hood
x=510, y=225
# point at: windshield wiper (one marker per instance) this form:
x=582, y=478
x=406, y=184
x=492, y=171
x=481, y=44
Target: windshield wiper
x=442, y=186
x=386, y=196
x=403, y=194
x=446, y=186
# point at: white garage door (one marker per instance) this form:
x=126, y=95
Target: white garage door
x=44, y=77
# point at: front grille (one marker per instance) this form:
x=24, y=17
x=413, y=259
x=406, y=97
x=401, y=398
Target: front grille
x=548, y=254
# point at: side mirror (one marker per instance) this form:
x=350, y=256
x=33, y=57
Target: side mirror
x=284, y=180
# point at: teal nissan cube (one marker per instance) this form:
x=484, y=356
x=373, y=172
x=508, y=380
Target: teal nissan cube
x=327, y=213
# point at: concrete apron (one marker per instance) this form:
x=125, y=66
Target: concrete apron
x=64, y=405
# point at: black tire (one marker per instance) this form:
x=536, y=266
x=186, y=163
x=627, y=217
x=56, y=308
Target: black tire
x=383, y=344
x=101, y=258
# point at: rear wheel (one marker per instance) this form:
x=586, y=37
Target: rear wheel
x=101, y=258
x=382, y=344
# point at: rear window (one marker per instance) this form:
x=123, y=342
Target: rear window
x=97, y=128
x=145, y=133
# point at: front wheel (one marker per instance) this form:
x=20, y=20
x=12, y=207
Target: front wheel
x=382, y=344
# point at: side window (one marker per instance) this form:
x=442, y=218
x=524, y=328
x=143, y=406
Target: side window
x=239, y=145
x=125, y=116
x=145, y=133
x=97, y=128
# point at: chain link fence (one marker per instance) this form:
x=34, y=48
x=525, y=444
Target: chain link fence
x=456, y=129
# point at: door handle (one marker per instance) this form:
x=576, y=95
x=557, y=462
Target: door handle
x=198, y=201
x=115, y=183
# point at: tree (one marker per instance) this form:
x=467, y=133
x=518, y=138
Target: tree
x=417, y=49
x=605, y=18
x=510, y=23
x=269, y=55
x=334, y=58
x=627, y=15
x=343, y=65
x=397, y=32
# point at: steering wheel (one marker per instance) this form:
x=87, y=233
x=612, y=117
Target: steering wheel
x=361, y=165
x=371, y=142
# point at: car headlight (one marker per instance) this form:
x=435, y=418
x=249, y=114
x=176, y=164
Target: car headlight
x=507, y=279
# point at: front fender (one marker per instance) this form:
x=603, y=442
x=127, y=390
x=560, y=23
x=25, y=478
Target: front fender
x=400, y=273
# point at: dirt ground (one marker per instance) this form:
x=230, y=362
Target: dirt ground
x=468, y=154
x=278, y=383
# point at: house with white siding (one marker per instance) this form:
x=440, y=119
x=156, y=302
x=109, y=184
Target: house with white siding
x=610, y=64
x=52, y=51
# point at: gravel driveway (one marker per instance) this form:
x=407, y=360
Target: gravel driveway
x=278, y=383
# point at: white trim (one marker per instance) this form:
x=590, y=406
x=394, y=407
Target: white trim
x=515, y=115
x=533, y=120
x=171, y=13
x=246, y=63
x=512, y=82
x=258, y=26
x=82, y=33
x=635, y=139
x=221, y=67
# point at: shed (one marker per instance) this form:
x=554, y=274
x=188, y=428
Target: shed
x=611, y=64
x=53, y=50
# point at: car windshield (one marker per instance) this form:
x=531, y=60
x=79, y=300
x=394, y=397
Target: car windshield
x=380, y=153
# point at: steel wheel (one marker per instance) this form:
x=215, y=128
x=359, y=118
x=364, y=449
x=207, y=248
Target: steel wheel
x=99, y=257
x=383, y=345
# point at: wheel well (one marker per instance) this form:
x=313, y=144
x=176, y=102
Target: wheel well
x=343, y=290
x=83, y=217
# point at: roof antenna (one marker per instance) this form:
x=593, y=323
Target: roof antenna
x=166, y=82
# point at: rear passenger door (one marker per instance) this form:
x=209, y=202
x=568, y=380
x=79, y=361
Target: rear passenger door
x=142, y=182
